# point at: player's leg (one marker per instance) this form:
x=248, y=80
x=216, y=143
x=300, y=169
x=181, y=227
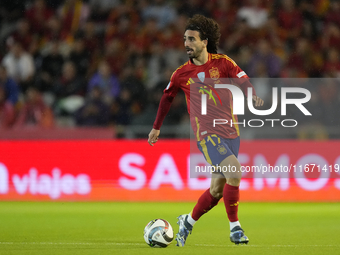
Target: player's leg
x=210, y=197
x=231, y=196
x=205, y=203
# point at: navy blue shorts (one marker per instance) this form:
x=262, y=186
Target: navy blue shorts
x=215, y=149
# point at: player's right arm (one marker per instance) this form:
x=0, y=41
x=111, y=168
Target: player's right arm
x=164, y=106
x=163, y=109
x=153, y=136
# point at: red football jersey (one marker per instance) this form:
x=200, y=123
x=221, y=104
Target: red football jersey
x=196, y=80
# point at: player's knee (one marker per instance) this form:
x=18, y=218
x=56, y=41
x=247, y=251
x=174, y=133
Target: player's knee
x=234, y=181
x=216, y=192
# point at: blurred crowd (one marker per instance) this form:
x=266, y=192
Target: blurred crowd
x=106, y=62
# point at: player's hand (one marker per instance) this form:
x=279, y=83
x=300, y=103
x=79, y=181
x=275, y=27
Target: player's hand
x=257, y=101
x=153, y=136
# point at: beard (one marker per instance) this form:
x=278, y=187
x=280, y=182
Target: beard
x=195, y=53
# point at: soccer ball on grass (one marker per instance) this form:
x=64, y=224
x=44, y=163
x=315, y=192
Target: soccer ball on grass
x=158, y=233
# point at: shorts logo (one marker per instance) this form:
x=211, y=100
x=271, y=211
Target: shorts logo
x=221, y=149
x=214, y=73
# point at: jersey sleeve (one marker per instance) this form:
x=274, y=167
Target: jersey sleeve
x=238, y=76
x=164, y=105
x=173, y=85
x=234, y=71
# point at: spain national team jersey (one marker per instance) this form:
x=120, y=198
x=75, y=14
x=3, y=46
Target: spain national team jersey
x=218, y=67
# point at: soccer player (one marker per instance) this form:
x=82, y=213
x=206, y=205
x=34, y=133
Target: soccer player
x=220, y=145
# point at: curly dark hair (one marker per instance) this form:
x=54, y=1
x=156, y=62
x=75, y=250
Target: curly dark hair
x=208, y=30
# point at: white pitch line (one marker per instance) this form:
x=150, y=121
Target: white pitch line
x=271, y=245
x=143, y=244
x=65, y=243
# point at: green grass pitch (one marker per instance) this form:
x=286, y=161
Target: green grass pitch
x=117, y=228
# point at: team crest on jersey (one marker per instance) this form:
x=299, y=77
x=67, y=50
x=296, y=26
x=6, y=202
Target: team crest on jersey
x=201, y=76
x=214, y=73
x=221, y=149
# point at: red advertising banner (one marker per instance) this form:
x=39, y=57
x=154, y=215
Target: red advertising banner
x=132, y=170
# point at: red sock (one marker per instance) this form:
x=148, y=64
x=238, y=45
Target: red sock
x=204, y=204
x=231, y=196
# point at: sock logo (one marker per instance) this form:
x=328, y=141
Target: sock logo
x=235, y=204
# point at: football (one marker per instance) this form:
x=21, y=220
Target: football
x=158, y=233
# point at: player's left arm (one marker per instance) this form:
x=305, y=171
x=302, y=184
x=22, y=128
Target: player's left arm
x=257, y=101
x=244, y=84
x=242, y=81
